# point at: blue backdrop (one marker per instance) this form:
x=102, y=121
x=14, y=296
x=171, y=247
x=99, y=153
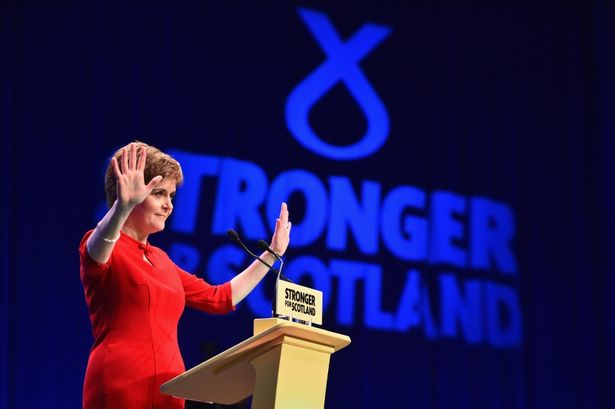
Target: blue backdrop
x=449, y=171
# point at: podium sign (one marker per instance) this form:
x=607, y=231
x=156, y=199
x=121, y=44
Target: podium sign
x=297, y=301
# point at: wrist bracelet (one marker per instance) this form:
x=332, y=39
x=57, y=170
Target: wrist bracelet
x=106, y=240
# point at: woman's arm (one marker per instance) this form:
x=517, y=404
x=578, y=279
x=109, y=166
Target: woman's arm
x=131, y=191
x=243, y=283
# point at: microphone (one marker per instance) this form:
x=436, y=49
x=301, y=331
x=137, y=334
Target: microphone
x=263, y=245
x=233, y=235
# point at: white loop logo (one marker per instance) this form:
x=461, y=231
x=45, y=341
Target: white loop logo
x=341, y=65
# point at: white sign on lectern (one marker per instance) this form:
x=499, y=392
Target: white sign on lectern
x=298, y=302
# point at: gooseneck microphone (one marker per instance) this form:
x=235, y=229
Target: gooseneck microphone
x=233, y=235
x=263, y=245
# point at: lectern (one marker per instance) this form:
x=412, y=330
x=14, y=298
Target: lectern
x=284, y=365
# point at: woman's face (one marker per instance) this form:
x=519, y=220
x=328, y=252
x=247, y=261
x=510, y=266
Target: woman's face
x=151, y=215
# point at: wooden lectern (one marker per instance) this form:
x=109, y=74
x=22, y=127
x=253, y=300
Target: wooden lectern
x=284, y=365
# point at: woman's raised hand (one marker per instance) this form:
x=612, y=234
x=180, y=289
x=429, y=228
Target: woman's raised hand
x=281, y=234
x=131, y=187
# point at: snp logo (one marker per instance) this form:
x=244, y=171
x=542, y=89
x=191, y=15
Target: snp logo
x=342, y=64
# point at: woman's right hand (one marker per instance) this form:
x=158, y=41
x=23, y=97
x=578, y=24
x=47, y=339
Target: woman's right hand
x=131, y=187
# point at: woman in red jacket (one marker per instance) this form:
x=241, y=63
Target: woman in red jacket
x=136, y=294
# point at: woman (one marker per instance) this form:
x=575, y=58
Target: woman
x=136, y=294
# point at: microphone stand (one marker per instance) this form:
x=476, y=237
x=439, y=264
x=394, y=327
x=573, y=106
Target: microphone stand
x=233, y=235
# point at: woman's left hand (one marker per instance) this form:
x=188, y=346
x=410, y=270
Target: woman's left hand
x=281, y=234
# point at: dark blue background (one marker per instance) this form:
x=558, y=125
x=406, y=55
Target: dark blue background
x=512, y=101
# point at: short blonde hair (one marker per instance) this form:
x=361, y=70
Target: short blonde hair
x=157, y=163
